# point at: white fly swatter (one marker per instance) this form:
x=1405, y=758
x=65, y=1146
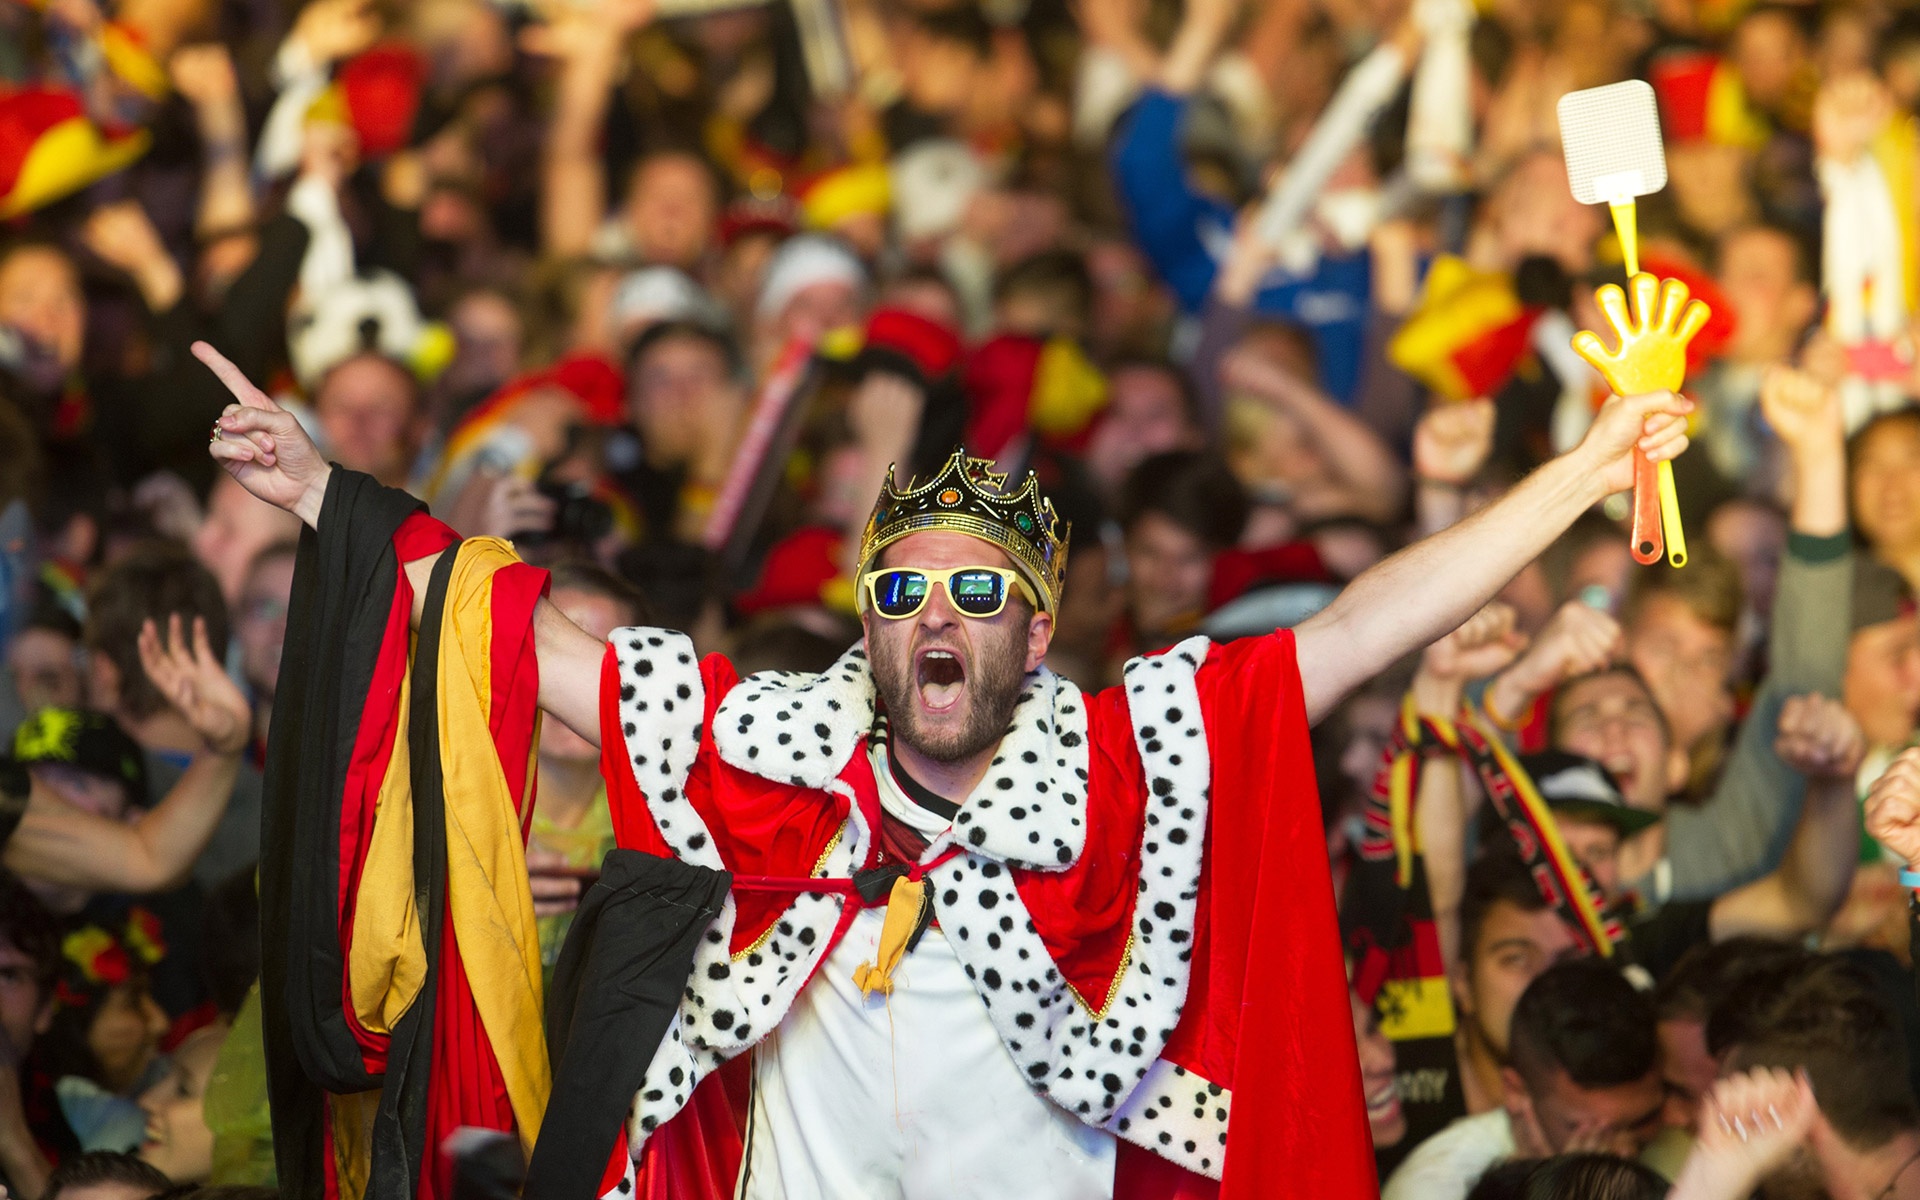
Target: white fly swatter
x=1611, y=136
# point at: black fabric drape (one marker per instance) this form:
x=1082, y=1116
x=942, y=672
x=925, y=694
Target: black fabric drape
x=344, y=579
x=616, y=987
x=400, y=1128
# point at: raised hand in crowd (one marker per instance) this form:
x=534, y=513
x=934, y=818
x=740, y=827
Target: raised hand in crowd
x=1893, y=807
x=1807, y=414
x=1819, y=738
x=1451, y=445
x=1412, y=598
x=332, y=30
x=196, y=684
x=124, y=238
x=1486, y=643
x=1751, y=1122
x=498, y=505
x=1452, y=442
x=61, y=844
x=1365, y=478
x=1579, y=638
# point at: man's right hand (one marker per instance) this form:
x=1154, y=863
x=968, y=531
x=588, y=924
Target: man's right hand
x=1485, y=644
x=1577, y=640
x=1893, y=808
x=263, y=447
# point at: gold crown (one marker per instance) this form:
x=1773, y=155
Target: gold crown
x=966, y=496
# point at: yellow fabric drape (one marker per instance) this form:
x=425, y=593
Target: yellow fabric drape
x=488, y=899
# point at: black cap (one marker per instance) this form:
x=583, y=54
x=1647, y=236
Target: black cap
x=91, y=741
x=1581, y=787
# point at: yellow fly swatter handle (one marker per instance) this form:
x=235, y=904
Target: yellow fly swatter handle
x=1670, y=526
x=1626, y=226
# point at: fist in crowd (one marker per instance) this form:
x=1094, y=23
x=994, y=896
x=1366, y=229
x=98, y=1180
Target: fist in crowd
x=1893, y=807
x=1451, y=443
x=1482, y=646
x=1819, y=738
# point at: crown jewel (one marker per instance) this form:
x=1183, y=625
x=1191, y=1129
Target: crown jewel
x=966, y=496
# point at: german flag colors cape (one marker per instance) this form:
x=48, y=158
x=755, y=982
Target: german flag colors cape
x=1177, y=979
x=381, y=900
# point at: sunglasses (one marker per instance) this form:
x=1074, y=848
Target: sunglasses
x=980, y=592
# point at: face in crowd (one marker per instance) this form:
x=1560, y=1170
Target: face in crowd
x=1687, y=1071
x=1620, y=1119
x=679, y=386
x=671, y=209
x=1169, y=570
x=1882, y=685
x=599, y=615
x=26, y=1006
x=1686, y=663
x=44, y=665
x=1385, y=1120
x=40, y=297
x=1611, y=718
x=238, y=527
x=260, y=621
x=1146, y=414
x=1510, y=949
x=1884, y=475
x=369, y=412
x=949, y=682
x=178, y=1141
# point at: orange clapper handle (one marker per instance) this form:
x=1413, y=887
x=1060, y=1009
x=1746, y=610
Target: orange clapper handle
x=1648, y=542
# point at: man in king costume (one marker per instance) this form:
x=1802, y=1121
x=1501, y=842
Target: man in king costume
x=932, y=923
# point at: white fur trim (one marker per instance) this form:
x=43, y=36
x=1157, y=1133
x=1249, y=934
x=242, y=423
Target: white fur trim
x=1029, y=810
x=662, y=707
x=1180, y=1116
x=797, y=728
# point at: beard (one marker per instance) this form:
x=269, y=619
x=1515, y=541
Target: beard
x=994, y=676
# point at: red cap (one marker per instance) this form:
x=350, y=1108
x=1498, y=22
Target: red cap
x=382, y=91
x=796, y=573
x=929, y=347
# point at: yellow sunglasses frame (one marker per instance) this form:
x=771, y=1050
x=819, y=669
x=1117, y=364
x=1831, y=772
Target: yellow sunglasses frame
x=939, y=576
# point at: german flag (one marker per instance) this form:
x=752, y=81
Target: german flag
x=1468, y=333
x=50, y=149
x=385, y=898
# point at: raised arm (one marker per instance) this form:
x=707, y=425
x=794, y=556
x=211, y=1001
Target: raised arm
x=1369, y=479
x=61, y=844
x=589, y=44
x=265, y=449
x=1485, y=644
x=1822, y=741
x=1435, y=584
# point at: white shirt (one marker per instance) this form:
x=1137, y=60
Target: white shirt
x=1448, y=1164
x=908, y=1097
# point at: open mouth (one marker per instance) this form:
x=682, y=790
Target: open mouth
x=1383, y=1099
x=941, y=678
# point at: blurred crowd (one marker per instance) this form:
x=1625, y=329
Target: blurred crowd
x=659, y=290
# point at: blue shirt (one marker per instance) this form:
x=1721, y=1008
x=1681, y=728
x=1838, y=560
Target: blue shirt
x=1186, y=235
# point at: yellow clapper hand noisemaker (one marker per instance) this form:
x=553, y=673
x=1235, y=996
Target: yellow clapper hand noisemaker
x=1650, y=355
x=1611, y=136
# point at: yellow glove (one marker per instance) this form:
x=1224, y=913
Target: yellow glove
x=1652, y=353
